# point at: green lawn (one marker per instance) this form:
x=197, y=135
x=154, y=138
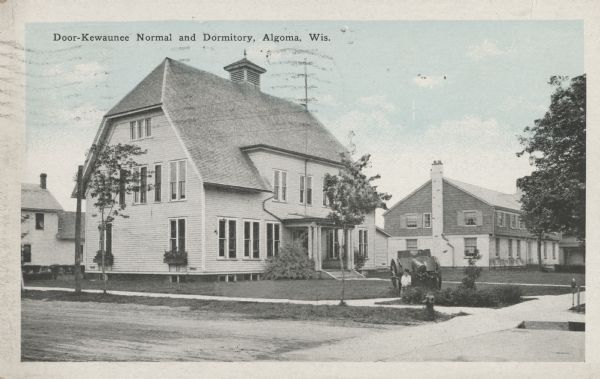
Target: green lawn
x=271, y=289
x=530, y=276
x=372, y=315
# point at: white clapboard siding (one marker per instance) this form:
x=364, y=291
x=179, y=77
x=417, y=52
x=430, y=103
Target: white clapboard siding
x=139, y=242
x=46, y=249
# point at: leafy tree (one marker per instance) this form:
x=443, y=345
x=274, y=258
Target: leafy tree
x=554, y=194
x=113, y=174
x=351, y=195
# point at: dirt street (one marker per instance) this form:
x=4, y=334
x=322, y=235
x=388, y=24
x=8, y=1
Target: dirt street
x=89, y=331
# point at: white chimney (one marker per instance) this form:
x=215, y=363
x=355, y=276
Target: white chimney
x=437, y=207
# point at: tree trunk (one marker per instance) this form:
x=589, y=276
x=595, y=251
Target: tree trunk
x=102, y=227
x=539, y=252
x=77, y=268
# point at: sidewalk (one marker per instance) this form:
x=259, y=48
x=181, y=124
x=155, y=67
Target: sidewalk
x=478, y=332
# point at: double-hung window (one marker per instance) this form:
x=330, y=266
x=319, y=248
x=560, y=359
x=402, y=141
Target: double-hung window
x=280, y=185
x=427, y=220
x=513, y=221
x=177, y=179
x=305, y=189
x=251, y=239
x=470, y=218
x=510, y=248
x=470, y=247
x=499, y=219
x=177, y=234
x=273, y=239
x=139, y=129
x=333, y=244
x=39, y=221
x=363, y=243
x=227, y=238
x=518, y=248
x=411, y=220
x=411, y=244
x=140, y=194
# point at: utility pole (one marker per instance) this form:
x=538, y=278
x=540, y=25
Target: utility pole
x=305, y=85
x=77, y=268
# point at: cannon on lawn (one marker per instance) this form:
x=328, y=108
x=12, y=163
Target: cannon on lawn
x=425, y=270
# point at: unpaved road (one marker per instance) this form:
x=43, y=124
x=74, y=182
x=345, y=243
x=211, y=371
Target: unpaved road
x=89, y=331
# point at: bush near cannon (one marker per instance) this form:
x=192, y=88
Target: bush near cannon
x=424, y=269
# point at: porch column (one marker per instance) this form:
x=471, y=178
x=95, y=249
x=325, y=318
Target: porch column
x=310, y=231
x=318, y=258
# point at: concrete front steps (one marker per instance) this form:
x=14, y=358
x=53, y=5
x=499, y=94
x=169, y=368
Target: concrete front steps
x=337, y=274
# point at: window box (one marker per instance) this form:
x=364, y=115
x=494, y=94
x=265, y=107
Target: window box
x=176, y=258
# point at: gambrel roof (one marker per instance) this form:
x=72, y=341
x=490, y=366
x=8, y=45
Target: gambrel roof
x=33, y=197
x=216, y=119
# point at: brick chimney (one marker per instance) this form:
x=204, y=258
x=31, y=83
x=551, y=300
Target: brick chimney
x=43, y=177
x=437, y=207
x=244, y=71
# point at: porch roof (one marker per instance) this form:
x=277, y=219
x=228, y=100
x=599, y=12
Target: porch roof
x=306, y=221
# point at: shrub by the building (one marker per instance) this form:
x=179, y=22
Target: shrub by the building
x=292, y=262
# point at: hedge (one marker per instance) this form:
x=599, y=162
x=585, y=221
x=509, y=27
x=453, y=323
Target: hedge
x=460, y=296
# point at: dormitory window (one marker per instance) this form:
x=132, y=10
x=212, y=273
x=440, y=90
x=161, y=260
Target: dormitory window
x=470, y=247
x=227, y=238
x=411, y=244
x=280, y=185
x=251, y=239
x=177, y=178
x=510, y=248
x=177, y=235
x=273, y=239
x=545, y=250
x=497, y=247
x=140, y=129
x=157, y=182
x=305, y=190
x=513, y=221
x=363, y=243
x=411, y=220
x=39, y=221
x=553, y=250
x=470, y=218
x=518, y=248
x=427, y=220
x=108, y=239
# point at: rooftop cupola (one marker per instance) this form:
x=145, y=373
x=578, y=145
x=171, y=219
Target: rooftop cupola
x=244, y=71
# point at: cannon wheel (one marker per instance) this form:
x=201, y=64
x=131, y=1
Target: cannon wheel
x=394, y=274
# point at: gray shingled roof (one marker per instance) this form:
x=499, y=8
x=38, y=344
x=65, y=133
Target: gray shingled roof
x=216, y=119
x=492, y=197
x=66, y=225
x=33, y=197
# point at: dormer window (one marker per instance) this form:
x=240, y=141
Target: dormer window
x=140, y=129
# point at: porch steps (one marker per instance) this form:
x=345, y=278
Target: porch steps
x=348, y=274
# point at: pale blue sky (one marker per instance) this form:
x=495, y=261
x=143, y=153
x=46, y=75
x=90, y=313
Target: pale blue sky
x=367, y=80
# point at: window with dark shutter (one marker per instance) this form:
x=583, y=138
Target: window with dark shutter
x=232, y=238
x=157, y=183
x=222, y=237
x=26, y=254
x=108, y=239
x=255, y=240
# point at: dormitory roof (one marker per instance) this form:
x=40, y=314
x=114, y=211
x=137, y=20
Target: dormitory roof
x=216, y=119
x=491, y=197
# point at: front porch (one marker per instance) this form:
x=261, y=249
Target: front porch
x=323, y=242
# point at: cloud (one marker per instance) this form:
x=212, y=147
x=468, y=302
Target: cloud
x=378, y=101
x=485, y=49
x=475, y=150
x=81, y=72
x=428, y=81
